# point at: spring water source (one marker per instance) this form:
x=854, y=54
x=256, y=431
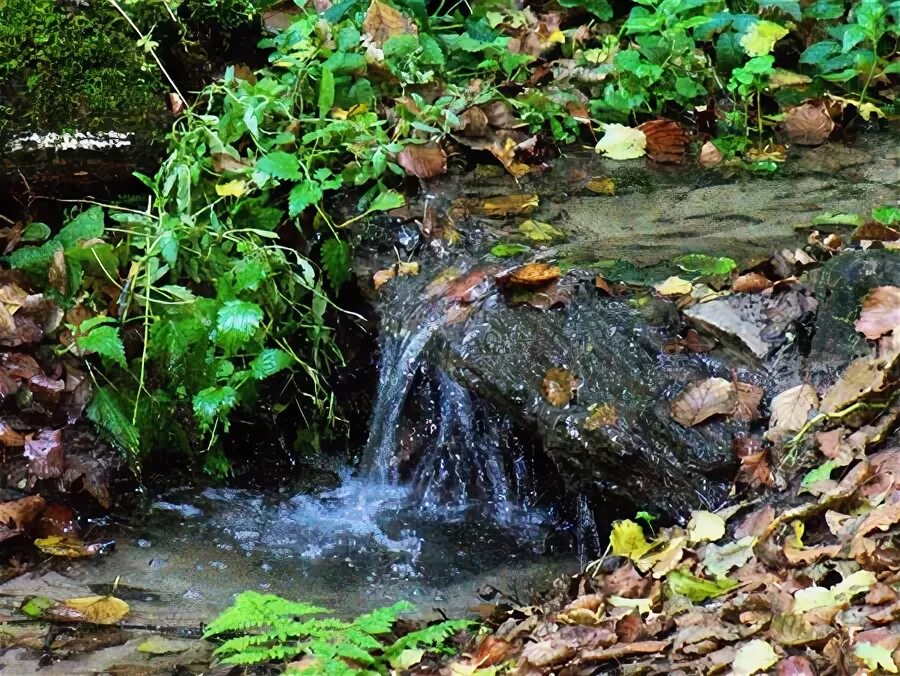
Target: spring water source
x=445, y=504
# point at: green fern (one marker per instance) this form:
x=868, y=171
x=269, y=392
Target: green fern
x=264, y=628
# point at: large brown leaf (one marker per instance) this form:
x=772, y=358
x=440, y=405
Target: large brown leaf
x=666, y=140
x=702, y=400
x=808, y=124
x=383, y=22
x=790, y=410
x=880, y=312
x=21, y=513
x=423, y=161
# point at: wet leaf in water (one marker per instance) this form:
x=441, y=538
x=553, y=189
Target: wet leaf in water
x=602, y=186
x=508, y=250
x=752, y=282
x=875, y=232
x=99, y=609
x=505, y=152
x=423, y=160
x=501, y=205
x=808, y=124
x=160, y=645
x=791, y=409
x=673, y=286
x=705, y=265
x=753, y=657
x=383, y=22
x=65, y=546
x=600, y=415
x=559, y=386
x=399, y=269
x=702, y=400
x=880, y=312
x=622, y=143
x=666, y=140
x=538, y=231
x=532, y=274
x=20, y=514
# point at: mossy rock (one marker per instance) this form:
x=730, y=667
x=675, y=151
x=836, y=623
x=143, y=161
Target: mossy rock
x=74, y=66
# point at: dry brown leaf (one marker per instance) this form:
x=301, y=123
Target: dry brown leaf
x=531, y=274
x=383, y=22
x=756, y=522
x=617, y=652
x=791, y=409
x=748, y=398
x=491, y=651
x=710, y=155
x=702, y=400
x=9, y=437
x=547, y=653
x=755, y=469
x=880, y=312
x=861, y=377
x=601, y=283
x=505, y=151
x=752, y=282
x=423, y=160
x=876, y=232
x=399, y=269
x=808, y=124
x=666, y=140
x=20, y=514
x=559, y=386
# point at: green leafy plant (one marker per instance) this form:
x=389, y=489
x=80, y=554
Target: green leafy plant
x=272, y=629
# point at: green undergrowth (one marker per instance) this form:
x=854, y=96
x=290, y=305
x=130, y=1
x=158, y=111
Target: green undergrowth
x=264, y=628
x=227, y=277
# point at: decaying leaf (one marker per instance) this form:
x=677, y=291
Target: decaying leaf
x=46, y=458
x=622, y=143
x=501, y=205
x=673, y=286
x=754, y=458
x=665, y=140
x=808, y=124
x=99, y=609
x=423, y=160
x=702, y=400
x=20, y=514
x=531, y=274
x=538, y=231
x=791, y=409
x=559, y=386
x=880, y=312
x=602, y=186
x=383, y=22
x=875, y=657
x=749, y=397
x=398, y=269
x=65, y=546
x=752, y=282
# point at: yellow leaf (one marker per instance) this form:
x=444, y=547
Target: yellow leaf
x=665, y=560
x=761, y=37
x=787, y=78
x=705, y=527
x=556, y=37
x=622, y=143
x=383, y=22
x=643, y=605
x=99, y=609
x=234, y=188
x=875, y=657
x=627, y=539
x=57, y=545
x=673, y=286
x=799, y=527
x=753, y=657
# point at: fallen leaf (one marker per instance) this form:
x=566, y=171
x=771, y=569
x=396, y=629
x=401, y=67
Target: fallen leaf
x=791, y=409
x=705, y=527
x=399, y=269
x=617, y=652
x=505, y=151
x=720, y=559
x=538, y=231
x=501, y=205
x=627, y=539
x=20, y=514
x=423, y=160
x=875, y=657
x=383, y=22
x=559, y=386
x=702, y=400
x=601, y=283
x=753, y=657
x=876, y=232
x=710, y=155
x=697, y=589
x=531, y=274
x=795, y=666
x=752, y=282
x=665, y=140
x=64, y=546
x=673, y=286
x=808, y=124
x=492, y=651
x=160, y=645
x=622, y=143
x=756, y=522
x=45, y=455
x=748, y=398
x=880, y=312
x=546, y=653
x=99, y=609
x=602, y=186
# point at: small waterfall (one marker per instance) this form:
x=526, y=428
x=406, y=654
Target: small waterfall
x=400, y=359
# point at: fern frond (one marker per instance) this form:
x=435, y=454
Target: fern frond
x=380, y=620
x=428, y=637
x=254, y=610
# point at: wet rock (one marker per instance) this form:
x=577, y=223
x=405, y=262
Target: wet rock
x=840, y=285
x=740, y=317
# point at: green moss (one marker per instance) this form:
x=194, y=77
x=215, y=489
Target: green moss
x=66, y=66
